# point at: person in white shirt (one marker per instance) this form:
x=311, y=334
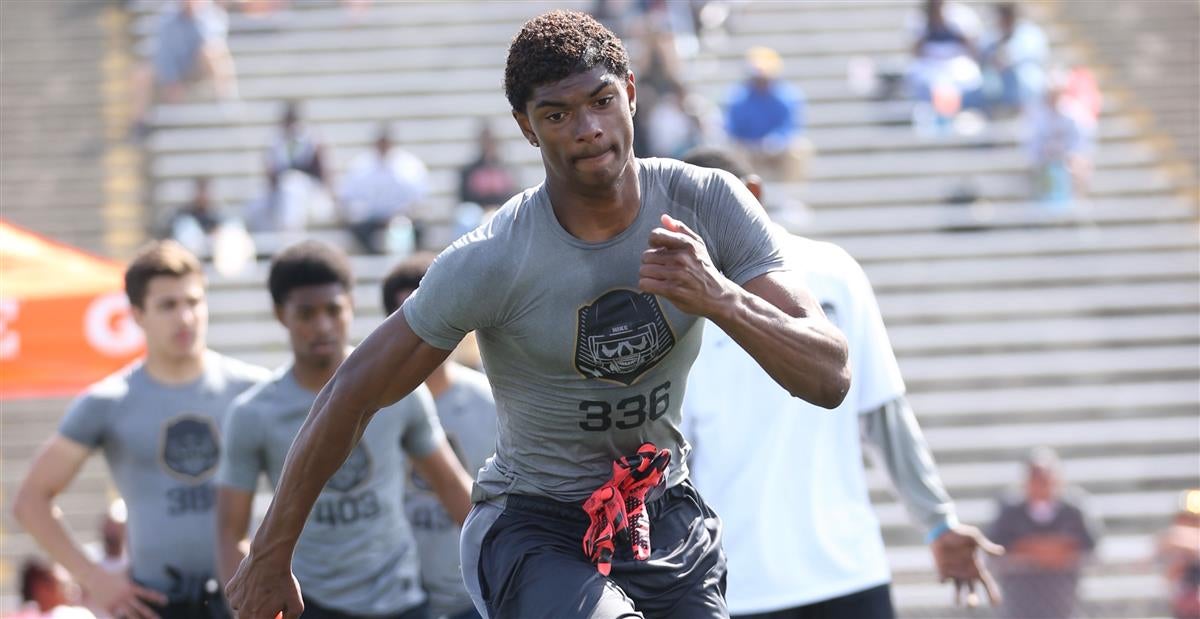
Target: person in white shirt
x=787, y=479
x=380, y=185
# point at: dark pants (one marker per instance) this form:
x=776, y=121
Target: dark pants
x=874, y=603
x=312, y=610
x=532, y=565
x=195, y=598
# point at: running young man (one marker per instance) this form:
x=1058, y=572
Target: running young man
x=467, y=410
x=587, y=294
x=803, y=540
x=357, y=556
x=158, y=422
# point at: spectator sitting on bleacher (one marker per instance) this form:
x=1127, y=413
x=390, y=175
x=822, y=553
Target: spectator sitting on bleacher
x=204, y=228
x=203, y=209
x=1048, y=537
x=296, y=147
x=944, y=52
x=194, y=224
x=1060, y=144
x=45, y=592
x=189, y=43
x=282, y=205
x=666, y=125
x=381, y=185
x=765, y=118
x=1013, y=62
x=488, y=181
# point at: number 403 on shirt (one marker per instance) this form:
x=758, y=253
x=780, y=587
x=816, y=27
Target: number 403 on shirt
x=628, y=413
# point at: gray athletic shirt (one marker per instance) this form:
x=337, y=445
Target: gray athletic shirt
x=161, y=444
x=584, y=367
x=356, y=553
x=468, y=415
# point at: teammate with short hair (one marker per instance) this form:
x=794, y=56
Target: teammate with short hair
x=587, y=294
x=356, y=556
x=158, y=423
x=467, y=410
x=802, y=538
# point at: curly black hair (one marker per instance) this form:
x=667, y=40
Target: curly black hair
x=308, y=263
x=555, y=45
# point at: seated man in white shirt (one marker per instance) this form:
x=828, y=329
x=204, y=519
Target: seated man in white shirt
x=787, y=481
x=381, y=185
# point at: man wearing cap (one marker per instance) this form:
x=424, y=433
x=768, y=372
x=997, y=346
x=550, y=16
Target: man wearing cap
x=765, y=118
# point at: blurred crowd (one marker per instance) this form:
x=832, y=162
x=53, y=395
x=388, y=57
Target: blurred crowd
x=968, y=75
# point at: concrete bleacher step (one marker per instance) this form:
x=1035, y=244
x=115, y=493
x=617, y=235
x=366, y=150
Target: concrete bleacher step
x=989, y=185
x=1040, y=367
x=1044, y=241
x=1043, y=334
x=988, y=215
x=1111, y=436
x=896, y=275
x=1122, y=472
x=1042, y=302
x=1114, y=399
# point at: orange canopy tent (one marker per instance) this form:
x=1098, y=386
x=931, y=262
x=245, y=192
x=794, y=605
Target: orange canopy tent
x=64, y=318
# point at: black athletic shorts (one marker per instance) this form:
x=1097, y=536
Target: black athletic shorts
x=526, y=556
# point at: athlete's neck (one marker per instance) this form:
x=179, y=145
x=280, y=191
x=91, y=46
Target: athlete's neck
x=597, y=214
x=440, y=380
x=170, y=370
x=312, y=374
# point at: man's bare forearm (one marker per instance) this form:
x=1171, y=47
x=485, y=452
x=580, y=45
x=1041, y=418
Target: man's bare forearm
x=41, y=520
x=805, y=354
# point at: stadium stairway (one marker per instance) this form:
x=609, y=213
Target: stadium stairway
x=64, y=173
x=1013, y=327
x=64, y=170
x=1155, y=66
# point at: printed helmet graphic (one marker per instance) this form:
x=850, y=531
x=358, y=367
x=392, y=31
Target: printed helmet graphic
x=190, y=448
x=621, y=335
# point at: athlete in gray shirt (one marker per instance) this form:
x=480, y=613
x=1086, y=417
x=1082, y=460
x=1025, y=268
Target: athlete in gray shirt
x=467, y=411
x=586, y=294
x=158, y=424
x=356, y=556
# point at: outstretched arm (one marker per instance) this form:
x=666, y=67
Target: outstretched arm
x=388, y=365
x=774, y=317
x=893, y=431
x=54, y=468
